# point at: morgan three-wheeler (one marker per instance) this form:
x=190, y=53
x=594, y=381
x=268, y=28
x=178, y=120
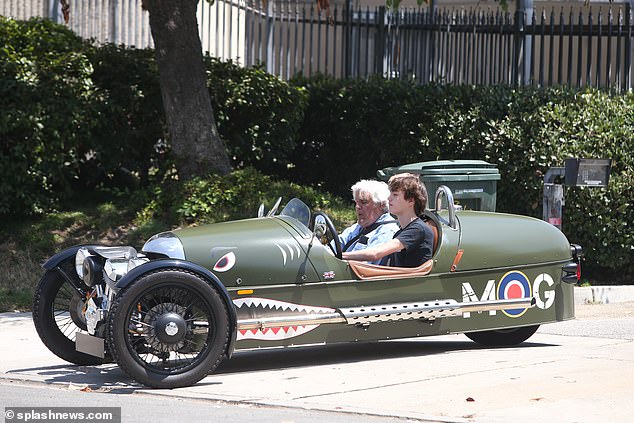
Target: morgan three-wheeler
x=171, y=312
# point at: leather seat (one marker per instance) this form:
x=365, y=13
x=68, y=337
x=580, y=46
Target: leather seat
x=374, y=271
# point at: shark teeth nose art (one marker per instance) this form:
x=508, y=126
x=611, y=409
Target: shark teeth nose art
x=274, y=334
x=264, y=308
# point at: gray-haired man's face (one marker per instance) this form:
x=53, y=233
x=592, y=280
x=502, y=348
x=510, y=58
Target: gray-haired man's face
x=367, y=211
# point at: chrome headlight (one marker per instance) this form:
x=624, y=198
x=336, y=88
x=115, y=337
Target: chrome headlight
x=115, y=262
x=81, y=255
x=116, y=268
x=167, y=244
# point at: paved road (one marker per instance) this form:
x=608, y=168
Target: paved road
x=148, y=408
x=578, y=371
x=591, y=322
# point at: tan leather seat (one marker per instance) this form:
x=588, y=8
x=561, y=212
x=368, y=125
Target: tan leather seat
x=434, y=230
x=374, y=271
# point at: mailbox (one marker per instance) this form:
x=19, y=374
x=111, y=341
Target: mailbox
x=587, y=172
x=577, y=172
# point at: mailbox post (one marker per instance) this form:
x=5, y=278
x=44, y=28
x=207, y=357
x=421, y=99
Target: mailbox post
x=553, y=198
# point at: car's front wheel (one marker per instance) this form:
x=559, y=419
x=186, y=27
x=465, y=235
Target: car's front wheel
x=503, y=337
x=168, y=329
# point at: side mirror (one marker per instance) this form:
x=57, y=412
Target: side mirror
x=261, y=210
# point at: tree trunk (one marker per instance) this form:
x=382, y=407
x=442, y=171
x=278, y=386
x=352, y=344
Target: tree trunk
x=194, y=137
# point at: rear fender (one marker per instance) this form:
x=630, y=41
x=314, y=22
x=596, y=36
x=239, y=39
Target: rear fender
x=198, y=270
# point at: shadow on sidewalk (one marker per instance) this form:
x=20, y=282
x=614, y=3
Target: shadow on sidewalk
x=110, y=378
x=272, y=359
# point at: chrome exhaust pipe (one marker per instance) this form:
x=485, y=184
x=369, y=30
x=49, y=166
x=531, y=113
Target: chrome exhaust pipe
x=425, y=310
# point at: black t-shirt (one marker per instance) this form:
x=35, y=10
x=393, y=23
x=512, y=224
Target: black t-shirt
x=418, y=240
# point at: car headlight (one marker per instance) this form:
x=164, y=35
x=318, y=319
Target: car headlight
x=92, y=262
x=81, y=255
x=167, y=244
x=116, y=268
x=92, y=270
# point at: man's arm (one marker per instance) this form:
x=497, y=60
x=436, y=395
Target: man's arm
x=375, y=253
x=382, y=234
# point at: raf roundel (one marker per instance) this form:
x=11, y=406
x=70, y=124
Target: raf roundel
x=514, y=284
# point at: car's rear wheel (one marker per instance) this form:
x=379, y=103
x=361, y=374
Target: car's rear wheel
x=503, y=337
x=168, y=329
x=58, y=316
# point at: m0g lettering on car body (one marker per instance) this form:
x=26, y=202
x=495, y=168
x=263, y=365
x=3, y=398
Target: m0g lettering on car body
x=513, y=284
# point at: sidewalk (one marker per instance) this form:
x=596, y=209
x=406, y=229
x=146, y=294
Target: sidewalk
x=604, y=294
x=442, y=379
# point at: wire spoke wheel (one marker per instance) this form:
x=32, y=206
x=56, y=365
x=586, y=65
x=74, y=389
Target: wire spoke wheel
x=58, y=317
x=67, y=312
x=168, y=329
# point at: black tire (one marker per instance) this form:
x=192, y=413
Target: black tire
x=503, y=337
x=57, y=318
x=168, y=329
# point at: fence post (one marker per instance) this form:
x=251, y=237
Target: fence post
x=523, y=43
x=54, y=11
x=347, y=39
x=628, y=46
x=270, y=48
x=379, y=53
x=112, y=25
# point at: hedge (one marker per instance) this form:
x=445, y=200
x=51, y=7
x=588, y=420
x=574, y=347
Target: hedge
x=46, y=113
x=76, y=115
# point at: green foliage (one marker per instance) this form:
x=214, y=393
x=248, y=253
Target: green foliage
x=76, y=116
x=45, y=116
x=596, y=124
x=129, y=139
x=215, y=198
x=257, y=114
x=354, y=127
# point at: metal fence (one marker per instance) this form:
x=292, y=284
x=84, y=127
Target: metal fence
x=550, y=47
x=591, y=47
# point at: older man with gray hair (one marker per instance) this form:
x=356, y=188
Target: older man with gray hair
x=374, y=224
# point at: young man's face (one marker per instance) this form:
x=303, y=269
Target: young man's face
x=367, y=211
x=398, y=203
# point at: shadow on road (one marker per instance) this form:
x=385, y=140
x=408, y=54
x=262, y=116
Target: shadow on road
x=272, y=359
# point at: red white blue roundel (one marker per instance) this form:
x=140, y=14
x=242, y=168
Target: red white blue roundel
x=514, y=284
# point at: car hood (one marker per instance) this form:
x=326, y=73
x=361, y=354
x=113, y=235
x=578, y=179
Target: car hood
x=260, y=251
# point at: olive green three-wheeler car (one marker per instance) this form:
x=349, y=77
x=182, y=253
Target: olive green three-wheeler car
x=168, y=314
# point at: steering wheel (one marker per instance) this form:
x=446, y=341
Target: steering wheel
x=330, y=234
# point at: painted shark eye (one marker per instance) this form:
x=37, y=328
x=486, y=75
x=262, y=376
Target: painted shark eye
x=225, y=262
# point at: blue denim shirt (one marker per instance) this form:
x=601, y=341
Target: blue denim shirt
x=378, y=236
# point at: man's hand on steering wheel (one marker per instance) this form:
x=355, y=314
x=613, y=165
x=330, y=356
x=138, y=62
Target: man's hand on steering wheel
x=330, y=234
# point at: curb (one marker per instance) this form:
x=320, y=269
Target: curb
x=603, y=294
